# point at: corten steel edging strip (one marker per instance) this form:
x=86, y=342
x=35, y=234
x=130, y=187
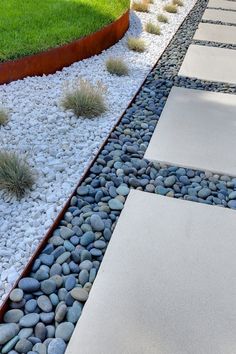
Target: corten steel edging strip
x=48, y=62
x=60, y=216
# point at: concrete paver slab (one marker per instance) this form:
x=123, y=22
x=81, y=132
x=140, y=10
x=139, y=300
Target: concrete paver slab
x=197, y=129
x=219, y=15
x=216, y=33
x=210, y=63
x=167, y=283
x=222, y=4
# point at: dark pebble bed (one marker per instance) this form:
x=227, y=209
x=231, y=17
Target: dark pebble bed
x=45, y=307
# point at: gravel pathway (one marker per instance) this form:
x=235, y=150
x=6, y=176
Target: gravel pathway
x=58, y=145
x=48, y=304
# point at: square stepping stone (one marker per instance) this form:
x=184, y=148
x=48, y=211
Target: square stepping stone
x=167, y=282
x=197, y=129
x=219, y=15
x=222, y=4
x=216, y=33
x=210, y=64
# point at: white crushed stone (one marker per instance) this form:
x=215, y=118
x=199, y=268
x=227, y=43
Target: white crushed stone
x=58, y=145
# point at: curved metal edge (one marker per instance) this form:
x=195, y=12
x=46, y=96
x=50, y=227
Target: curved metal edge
x=52, y=60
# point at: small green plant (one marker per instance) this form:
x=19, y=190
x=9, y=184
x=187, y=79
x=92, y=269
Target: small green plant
x=178, y=2
x=140, y=6
x=86, y=100
x=15, y=175
x=136, y=44
x=3, y=116
x=117, y=66
x=171, y=8
x=162, y=18
x=152, y=28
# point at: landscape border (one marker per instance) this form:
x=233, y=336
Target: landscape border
x=52, y=60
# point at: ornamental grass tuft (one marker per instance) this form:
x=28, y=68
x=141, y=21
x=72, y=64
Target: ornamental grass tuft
x=140, y=6
x=136, y=44
x=162, y=18
x=178, y=2
x=85, y=100
x=15, y=175
x=152, y=28
x=3, y=116
x=117, y=66
x=171, y=8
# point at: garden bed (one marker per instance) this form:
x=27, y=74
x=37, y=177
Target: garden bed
x=59, y=145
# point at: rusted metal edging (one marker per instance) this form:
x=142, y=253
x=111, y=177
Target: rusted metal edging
x=49, y=61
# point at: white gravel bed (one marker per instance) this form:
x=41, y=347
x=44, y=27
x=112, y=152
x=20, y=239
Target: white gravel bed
x=58, y=145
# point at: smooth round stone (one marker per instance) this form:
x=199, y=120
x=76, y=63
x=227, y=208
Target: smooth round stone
x=31, y=305
x=57, y=240
x=74, y=240
x=54, y=299
x=83, y=277
x=40, y=331
x=16, y=295
x=50, y=331
x=58, y=280
x=87, y=238
x=62, y=292
x=47, y=259
x=7, y=332
x=64, y=331
x=57, y=346
x=97, y=223
x=85, y=255
x=232, y=195
x=10, y=345
x=60, y=312
x=79, y=294
x=100, y=244
x=69, y=300
x=29, y=285
x=48, y=286
x=44, y=303
x=73, y=314
x=122, y=190
x=69, y=246
x=25, y=333
x=232, y=204
x=56, y=269
x=70, y=282
x=23, y=346
x=63, y=258
x=204, y=193
x=107, y=234
x=82, y=190
x=66, y=232
x=65, y=269
x=115, y=204
x=29, y=320
x=40, y=348
x=150, y=188
x=95, y=252
x=169, y=181
x=41, y=274
x=92, y=275
x=86, y=265
x=13, y=316
x=47, y=317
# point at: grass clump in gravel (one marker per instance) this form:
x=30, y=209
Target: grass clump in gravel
x=3, y=116
x=136, y=44
x=162, y=18
x=171, y=8
x=152, y=28
x=15, y=175
x=86, y=100
x=117, y=66
x=178, y=2
x=140, y=6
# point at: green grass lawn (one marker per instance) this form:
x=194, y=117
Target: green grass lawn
x=30, y=26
